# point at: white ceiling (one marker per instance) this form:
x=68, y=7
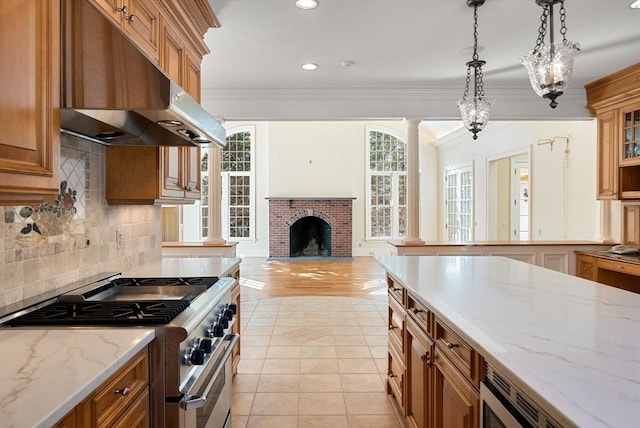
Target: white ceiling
x=407, y=55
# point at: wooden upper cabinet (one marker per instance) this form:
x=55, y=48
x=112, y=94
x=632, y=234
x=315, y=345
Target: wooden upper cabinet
x=631, y=223
x=29, y=100
x=191, y=81
x=607, y=155
x=138, y=19
x=172, y=58
x=615, y=100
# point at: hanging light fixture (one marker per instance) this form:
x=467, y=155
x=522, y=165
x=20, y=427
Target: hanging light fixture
x=475, y=111
x=550, y=67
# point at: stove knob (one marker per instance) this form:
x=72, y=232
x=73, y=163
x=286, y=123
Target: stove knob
x=216, y=330
x=228, y=313
x=224, y=321
x=194, y=357
x=234, y=308
x=205, y=345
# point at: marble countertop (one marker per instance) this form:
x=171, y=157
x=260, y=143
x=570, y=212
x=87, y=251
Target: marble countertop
x=187, y=266
x=572, y=345
x=44, y=373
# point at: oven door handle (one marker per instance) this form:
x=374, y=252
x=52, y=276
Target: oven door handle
x=196, y=401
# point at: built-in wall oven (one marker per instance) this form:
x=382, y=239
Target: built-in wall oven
x=504, y=405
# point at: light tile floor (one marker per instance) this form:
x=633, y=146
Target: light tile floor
x=313, y=362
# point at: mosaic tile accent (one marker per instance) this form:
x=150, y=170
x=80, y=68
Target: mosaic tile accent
x=55, y=219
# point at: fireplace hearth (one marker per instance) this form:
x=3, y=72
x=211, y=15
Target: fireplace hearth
x=310, y=227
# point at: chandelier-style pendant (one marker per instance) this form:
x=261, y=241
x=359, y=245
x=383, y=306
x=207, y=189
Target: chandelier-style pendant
x=475, y=110
x=550, y=66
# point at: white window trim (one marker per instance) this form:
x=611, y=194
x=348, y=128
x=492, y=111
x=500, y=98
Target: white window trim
x=448, y=170
x=224, y=208
x=394, y=177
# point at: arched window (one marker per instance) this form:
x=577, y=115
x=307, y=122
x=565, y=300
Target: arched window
x=236, y=167
x=387, y=185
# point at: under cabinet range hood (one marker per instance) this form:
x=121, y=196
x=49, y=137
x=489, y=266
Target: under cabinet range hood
x=114, y=95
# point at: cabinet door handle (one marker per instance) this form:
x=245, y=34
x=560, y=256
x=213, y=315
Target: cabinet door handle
x=188, y=188
x=124, y=9
x=396, y=288
x=417, y=311
x=391, y=326
x=123, y=391
x=391, y=375
x=131, y=18
x=427, y=359
x=449, y=344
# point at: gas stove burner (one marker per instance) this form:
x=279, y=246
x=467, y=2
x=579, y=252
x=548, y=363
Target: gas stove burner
x=104, y=313
x=138, y=282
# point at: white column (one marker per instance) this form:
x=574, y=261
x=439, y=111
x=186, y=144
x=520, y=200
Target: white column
x=215, y=197
x=605, y=222
x=413, y=184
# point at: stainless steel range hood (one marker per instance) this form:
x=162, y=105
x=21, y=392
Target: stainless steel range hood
x=114, y=95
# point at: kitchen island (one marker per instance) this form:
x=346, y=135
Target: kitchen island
x=571, y=345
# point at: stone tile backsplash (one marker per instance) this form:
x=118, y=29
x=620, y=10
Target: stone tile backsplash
x=50, y=246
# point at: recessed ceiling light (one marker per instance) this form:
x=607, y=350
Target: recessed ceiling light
x=309, y=66
x=307, y=4
x=635, y=5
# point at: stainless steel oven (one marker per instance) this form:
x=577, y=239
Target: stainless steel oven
x=206, y=402
x=504, y=405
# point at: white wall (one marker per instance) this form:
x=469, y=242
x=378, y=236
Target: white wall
x=329, y=159
x=563, y=203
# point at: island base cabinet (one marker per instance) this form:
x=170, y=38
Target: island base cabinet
x=420, y=374
x=457, y=403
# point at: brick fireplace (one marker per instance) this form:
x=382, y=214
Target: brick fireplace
x=310, y=227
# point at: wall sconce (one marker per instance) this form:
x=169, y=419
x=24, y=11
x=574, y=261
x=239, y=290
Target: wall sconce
x=550, y=66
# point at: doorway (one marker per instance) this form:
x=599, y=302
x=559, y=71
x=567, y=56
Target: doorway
x=509, y=198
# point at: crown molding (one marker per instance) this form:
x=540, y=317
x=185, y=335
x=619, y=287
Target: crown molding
x=383, y=104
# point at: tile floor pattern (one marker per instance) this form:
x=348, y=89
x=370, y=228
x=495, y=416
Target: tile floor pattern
x=313, y=362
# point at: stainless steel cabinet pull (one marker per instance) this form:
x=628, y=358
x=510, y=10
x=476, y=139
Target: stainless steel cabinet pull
x=449, y=344
x=131, y=18
x=123, y=392
x=124, y=10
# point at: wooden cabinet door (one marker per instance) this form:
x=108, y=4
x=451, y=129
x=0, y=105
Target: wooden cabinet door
x=629, y=139
x=456, y=403
x=142, y=24
x=608, y=155
x=586, y=267
x=419, y=392
x=136, y=416
x=631, y=224
x=191, y=83
x=29, y=100
x=172, y=172
x=111, y=9
x=172, y=56
x=192, y=172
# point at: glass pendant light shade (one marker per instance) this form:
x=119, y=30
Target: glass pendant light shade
x=550, y=68
x=475, y=113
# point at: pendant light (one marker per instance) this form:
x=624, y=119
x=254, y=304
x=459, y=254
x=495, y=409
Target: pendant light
x=475, y=110
x=550, y=67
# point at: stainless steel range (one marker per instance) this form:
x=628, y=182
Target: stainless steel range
x=190, y=358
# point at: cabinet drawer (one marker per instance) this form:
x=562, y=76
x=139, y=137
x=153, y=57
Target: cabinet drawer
x=137, y=416
x=118, y=393
x=461, y=355
x=423, y=316
x=396, y=327
x=395, y=290
x=395, y=376
x=621, y=267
